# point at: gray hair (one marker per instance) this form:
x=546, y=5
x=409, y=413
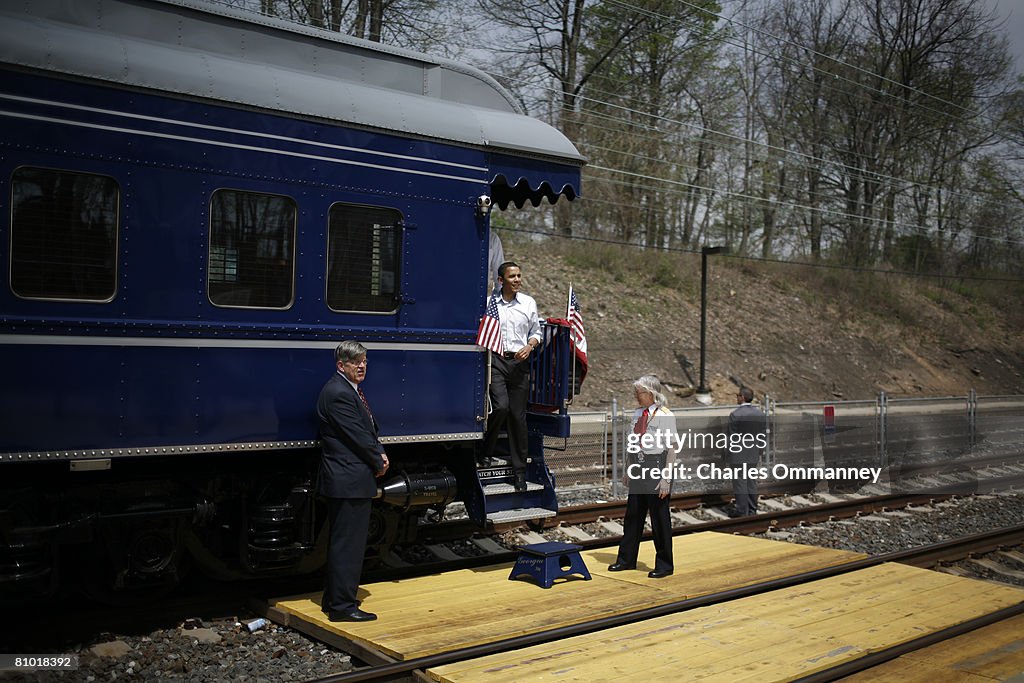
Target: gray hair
x=747, y=394
x=348, y=350
x=652, y=384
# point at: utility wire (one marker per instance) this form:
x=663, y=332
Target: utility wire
x=831, y=58
x=806, y=264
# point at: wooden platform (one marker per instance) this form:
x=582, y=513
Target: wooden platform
x=436, y=613
x=776, y=636
x=773, y=636
x=992, y=653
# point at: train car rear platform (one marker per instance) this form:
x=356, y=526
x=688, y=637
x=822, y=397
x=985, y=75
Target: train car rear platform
x=779, y=635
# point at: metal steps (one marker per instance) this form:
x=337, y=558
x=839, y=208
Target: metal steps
x=497, y=489
x=518, y=515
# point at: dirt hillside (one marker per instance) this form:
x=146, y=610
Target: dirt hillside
x=797, y=333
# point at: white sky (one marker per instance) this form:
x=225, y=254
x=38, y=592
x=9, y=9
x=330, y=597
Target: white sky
x=1012, y=13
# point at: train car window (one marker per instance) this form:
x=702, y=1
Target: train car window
x=364, y=245
x=63, y=235
x=252, y=250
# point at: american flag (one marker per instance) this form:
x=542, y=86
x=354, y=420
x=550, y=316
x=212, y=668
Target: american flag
x=579, y=335
x=489, y=334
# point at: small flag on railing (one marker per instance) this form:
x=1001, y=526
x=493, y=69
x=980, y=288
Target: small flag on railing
x=579, y=335
x=489, y=334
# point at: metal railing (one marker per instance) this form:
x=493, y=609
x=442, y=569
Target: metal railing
x=551, y=370
x=583, y=458
x=891, y=434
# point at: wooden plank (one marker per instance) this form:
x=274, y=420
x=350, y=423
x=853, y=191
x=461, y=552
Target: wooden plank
x=708, y=561
x=911, y=606
x=475, y=606
x=473, y=610
x=789, y=633
x=992, y=653
x=910, y=672
x=316, y=629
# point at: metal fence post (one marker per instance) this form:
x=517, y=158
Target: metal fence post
x=972, y=419
x=615, y=448
x=883, y=404
x=604, y=452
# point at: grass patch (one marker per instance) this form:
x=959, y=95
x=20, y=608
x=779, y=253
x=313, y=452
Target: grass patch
x=647, y=268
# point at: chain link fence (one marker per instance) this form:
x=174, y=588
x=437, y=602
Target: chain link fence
x=873, y=445
x=582, y=459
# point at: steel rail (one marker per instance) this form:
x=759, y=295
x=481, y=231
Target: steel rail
x=879, y=657
x=751, y=524
x=582, y=514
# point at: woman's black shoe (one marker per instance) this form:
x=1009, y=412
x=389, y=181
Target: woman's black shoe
x=621, y=567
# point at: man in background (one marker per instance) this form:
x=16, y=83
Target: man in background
x=746, y=430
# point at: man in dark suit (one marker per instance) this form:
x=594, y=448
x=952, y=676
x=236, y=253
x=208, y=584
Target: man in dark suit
x=352, y=458
x=747, y=427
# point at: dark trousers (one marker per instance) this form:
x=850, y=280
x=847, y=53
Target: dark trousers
x=350, y=522
x=638, y=505
x=510, y=390
x=744, y=490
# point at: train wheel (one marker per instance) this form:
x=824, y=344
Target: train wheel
x=381, y=536
x=131, y=563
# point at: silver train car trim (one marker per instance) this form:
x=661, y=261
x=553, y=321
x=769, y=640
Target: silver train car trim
x=175, y=47
x=239, y=131
x=235, y=145
x=208, y=342
x=212, y=449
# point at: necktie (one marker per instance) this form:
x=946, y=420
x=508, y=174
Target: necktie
x=641, y=425
x=366, y=404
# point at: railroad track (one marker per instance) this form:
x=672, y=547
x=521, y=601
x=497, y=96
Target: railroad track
x=85, y=622
x=802, y=511
x=977, y=475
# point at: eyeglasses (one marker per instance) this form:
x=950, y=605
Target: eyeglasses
x=363, y=362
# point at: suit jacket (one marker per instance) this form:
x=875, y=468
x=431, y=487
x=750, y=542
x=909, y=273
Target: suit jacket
x=747, y=419
x=348, y=436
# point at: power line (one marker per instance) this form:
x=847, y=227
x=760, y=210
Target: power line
x=836, y=60
x=806, y=264
x=806, y=158
x=909, y=228
x=741, y=139
x=714, y=141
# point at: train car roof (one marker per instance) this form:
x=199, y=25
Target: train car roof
x=198, y=49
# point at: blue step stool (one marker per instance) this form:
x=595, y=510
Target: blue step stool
x=545, y=562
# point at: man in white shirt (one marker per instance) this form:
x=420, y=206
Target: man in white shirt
x=510, y=372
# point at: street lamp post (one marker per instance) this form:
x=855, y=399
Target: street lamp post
x=703, y=393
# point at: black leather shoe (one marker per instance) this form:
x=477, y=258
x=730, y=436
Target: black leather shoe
x=520, y=481
x=620, y=567
x=659, y=573
x=354, y=614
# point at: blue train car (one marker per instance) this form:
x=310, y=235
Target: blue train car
x=199, y=205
